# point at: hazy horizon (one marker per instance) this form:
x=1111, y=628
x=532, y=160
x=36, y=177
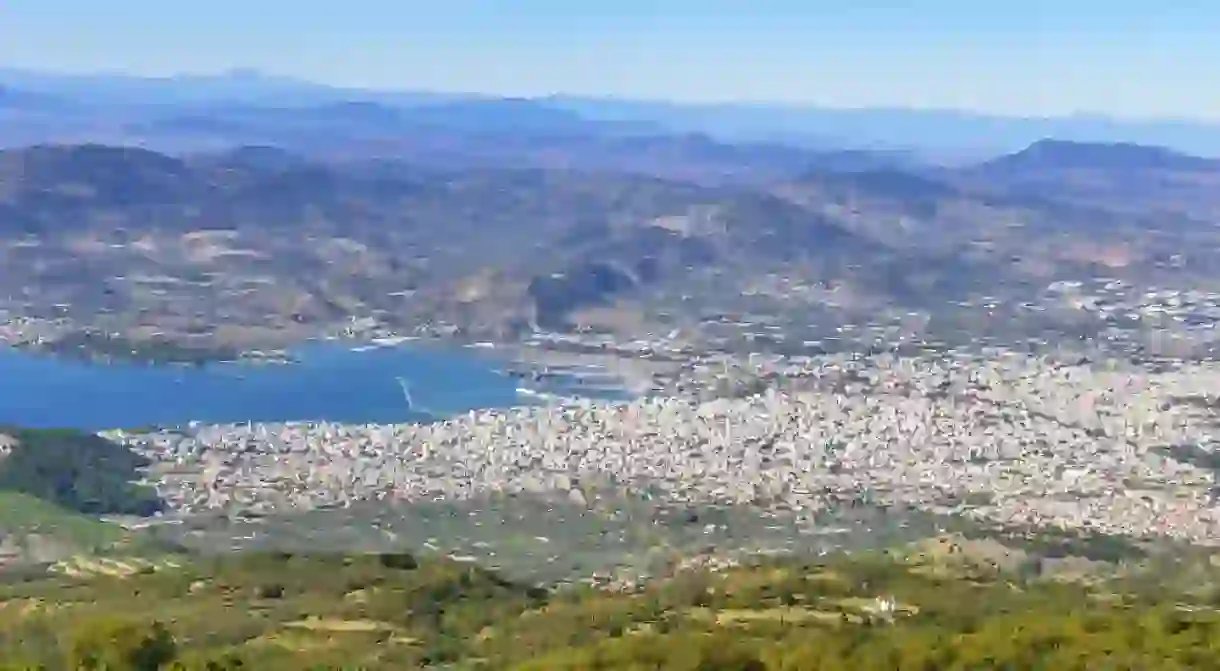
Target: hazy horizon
x=1124, y=60
x=235, y=73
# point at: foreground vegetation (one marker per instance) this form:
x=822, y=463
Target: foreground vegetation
x=265, y=611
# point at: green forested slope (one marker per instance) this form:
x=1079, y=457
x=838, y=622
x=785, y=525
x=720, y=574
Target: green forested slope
x=76, y=471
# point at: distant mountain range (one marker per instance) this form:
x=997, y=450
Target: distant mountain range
x=1117, y=157
x=263, y=237
x=493, y=133
x=57, y=107
x=1118, y=176
x=276, y=205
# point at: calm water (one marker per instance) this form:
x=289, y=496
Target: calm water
x=330, y=382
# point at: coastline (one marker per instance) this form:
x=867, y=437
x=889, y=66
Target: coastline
x=331, y=380
x=537, y=365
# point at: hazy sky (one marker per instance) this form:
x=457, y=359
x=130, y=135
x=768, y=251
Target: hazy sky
x=1120, y=57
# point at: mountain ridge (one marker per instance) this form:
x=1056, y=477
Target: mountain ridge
x=1116, y=176
x=560, y=240
x=1066, y=154
x=271, y=242
x=942, y=133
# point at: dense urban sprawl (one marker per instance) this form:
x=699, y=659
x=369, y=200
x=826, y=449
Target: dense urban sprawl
x=1012, y=438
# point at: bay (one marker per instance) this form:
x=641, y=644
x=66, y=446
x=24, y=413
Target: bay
x=329, y=382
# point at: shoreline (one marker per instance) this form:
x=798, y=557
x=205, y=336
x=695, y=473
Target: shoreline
x=540, y=367
x=479, y=378
x=636, y=374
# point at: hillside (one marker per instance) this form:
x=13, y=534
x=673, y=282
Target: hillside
x=76, y=471
x=1114, y=157
x=977, y=223
x=54, y=488
x=1121, y=176
x=114, y=231
x=945, y=605
x=34, y=531
x=263, y=247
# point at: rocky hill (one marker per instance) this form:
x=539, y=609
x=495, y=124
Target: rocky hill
x=1115, y=176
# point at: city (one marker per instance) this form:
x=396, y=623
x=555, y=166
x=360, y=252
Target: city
x=1002, y=437
x=649, y=336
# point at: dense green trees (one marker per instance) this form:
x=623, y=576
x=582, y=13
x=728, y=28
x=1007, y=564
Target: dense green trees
x=78, y=471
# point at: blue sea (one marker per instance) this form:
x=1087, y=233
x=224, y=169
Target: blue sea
x=330, y=382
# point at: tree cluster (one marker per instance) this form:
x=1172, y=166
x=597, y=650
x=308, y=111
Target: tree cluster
x=77, y=471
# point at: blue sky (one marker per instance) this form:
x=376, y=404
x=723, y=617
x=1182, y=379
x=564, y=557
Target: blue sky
x=1120, y=57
